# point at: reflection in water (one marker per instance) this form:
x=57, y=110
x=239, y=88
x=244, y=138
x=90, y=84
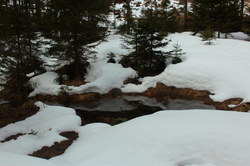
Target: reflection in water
x=127, y=103
x=116, y=110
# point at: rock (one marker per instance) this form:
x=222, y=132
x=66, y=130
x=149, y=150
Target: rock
x=176, y=60
x=114, y=92
x=159, y=67
x=111, y=60
x=161, y=91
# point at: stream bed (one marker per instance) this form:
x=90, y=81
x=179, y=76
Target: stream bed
x=120, y=109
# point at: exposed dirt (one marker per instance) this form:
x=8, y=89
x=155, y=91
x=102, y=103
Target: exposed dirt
x=163, y=93
x=76, y=82
x=10, y=114
x=65, y=98
x=12, y=137
x=58, y=148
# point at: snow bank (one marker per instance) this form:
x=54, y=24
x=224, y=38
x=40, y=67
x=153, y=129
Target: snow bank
x=236, y=35
x=221, y=69
x=11, y=159
x=102, y=76
x=41, y=129
x=44, y=84
x=172, y=138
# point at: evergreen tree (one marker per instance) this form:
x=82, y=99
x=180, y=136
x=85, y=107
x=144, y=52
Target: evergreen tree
x=73, y=25
x=222, y=16
x=126, y=14
x=167, y=18
x=208, y=35
x=145, y=41
x=246, y=22
x=176, y=54
x=185, y=11
x=242, y=5
x=19, y=49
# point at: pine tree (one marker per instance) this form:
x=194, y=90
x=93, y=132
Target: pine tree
x=229, y=19
x=242, y=5
x=176, y=54
x=222, y=16
x=19, y=49
x=246, y=23
x=208, y=35
x=185, y=11
x=126, y=15
x=145, y=40
x=167, y=18
x=73, y=25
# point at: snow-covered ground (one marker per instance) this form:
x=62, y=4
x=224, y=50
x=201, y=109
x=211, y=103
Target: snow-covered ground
x=166, y=138
x=221, y=69
x=40, y=130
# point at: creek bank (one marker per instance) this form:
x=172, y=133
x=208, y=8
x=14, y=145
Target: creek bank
x=58, y=148
x=161, y=93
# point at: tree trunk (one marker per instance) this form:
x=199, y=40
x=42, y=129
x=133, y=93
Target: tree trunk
x=242, y=4
x=185, y=14
x=38, y=8
x=218, y=34
x=77, y=60
x=128, y=16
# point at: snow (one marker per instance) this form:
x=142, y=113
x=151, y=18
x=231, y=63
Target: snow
x=232, y=105
x=221, y=69
x=236, y=35
x=11, y=159
x=41, y=129
x=166, y=138
x=102, y=76
x=173, y=138
x=44, y=84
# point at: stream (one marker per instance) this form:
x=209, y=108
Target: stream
x=120, y=109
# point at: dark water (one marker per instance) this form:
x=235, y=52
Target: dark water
x=123, y=108
x=129, y=103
